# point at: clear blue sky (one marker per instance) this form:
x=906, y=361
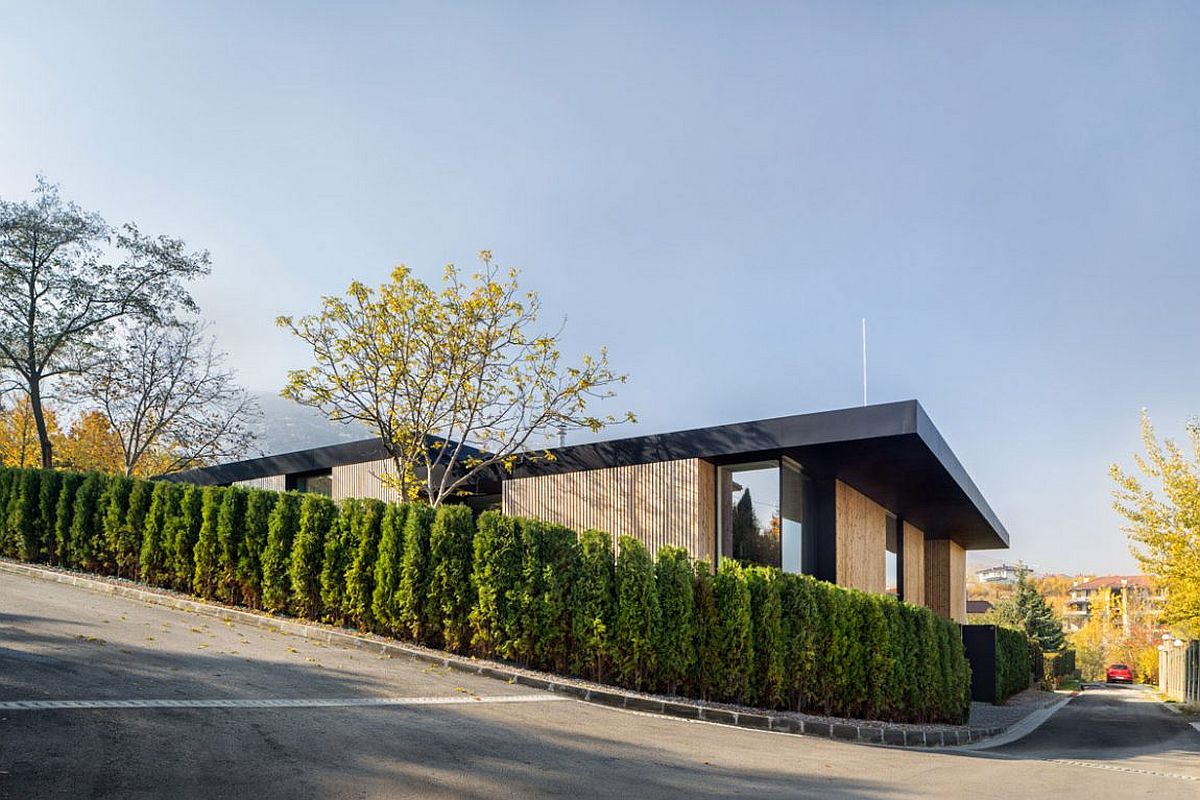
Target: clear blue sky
x=718, y=192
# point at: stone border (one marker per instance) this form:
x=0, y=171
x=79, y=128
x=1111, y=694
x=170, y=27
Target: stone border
x=846, y=730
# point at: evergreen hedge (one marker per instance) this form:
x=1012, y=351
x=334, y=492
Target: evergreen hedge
x=1013, y=668
x=515, y=589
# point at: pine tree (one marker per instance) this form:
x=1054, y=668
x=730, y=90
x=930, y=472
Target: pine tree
x=1028, y=610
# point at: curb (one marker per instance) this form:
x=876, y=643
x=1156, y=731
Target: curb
x=683, y=709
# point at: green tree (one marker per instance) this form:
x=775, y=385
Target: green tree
x=1162, y=510
x=733, y=633
x=153, y=563
x=767, y=682
x=127, y=550
x=86, y=545
x=360, y=578
x=677, y=636
x=639, y=616
x=207, y=552
x=114, y=510
x=47, y=504
x=339, y=549
x=1027, y=610
x=416, y=618
x=389, y=565
x=451, y=550
x=231, y=519
x=259, y=505
x=23, y=519
x=496, y=576
x=492, y=380
x=317, y=517
x=594, y=605
x=281, y=530
x=187, y=533
x=64, y=508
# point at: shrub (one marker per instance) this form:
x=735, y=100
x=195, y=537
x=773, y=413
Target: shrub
x=23, y=518
x=548, y=558
x=231, y=518
x=86, y=545
x=317, y=517
x=415, y=619
x=277, y=558
x=451, y=550
x=114, y=509
x=389, y=564
x=206, y=555
x=1012, y=663
x=252, y=543
x=127, y=551
x=800, y=630
x=638, y=615
x=677, y=636
x=360, y=577
x=8, y=477
x=339, y=547
x=64, y=507
x=187, y=533
x=496, y=578
x=708, y=656
x=48, y=491
x=769, y=646
x=593, y=602
x=733, y=633
x=153, y=564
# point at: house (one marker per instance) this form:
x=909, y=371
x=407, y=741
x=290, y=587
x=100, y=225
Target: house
x=978, y=607
x=870, y=498
x=1001, y=573
x=1127, y=598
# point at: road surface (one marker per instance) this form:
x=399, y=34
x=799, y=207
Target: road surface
x=194, y=707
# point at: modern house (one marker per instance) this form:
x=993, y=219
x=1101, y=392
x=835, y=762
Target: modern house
x=870, y=498
x=1000, y=573
x=1125, y=598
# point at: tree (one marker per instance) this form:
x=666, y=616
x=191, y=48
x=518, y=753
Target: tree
x=430, y=372
x=1165, y=528
x=65, y=275
x=1028, y=611
x=168, y=398
x=91, y=444
x=18, y=433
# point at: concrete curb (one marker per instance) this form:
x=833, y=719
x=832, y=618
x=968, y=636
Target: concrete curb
x=1024, y=726
x=846, y=730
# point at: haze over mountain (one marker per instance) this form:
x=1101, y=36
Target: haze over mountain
x=286, y=427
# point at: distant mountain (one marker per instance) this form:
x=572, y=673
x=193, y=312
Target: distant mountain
x=287, y=427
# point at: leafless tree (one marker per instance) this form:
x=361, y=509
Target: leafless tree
x=65, y=276
x=168, y=395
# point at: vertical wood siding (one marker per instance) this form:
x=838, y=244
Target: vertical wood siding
x=914, y=565
x=664, y=503
x=861, y=529
x=946, y=579
x=362, y=480
x=275, y=483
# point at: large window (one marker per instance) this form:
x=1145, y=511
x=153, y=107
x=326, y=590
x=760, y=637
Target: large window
x=761, y=515
x=892, y=558
x=315, y=482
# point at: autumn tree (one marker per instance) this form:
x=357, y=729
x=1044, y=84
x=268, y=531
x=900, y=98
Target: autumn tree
x=1162, y=512
x=18, y=433
x=65, y=275
x=454, y=381
x=167, y=396
x=91, y=445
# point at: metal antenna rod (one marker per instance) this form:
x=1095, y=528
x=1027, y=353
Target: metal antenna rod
x=864, y=338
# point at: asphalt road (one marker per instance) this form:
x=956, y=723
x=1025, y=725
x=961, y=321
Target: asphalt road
x=291, y=722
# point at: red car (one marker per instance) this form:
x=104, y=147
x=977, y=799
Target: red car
x=1119, y=673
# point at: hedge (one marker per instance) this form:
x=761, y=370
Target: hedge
x=1013, y=669
x=515, y=589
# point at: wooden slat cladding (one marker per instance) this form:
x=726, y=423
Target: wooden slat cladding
x=276, y=483
x=663, y=503
x=914, y=565
x=946, y=579
x=861, y=541
x=362, y=480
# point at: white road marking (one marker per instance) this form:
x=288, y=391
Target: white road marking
x=318, y=702
x=1115, y=768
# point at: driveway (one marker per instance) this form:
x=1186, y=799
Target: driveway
x=189, y=706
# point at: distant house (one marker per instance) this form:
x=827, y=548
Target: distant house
x=978, y=607
x=1001, y=573
x=870, y=498
x=1127, y=598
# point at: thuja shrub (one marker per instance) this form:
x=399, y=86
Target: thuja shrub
x=414, y=618
x=8, y=477
x=231, y=519
x=317, y=517
x=86, y=544
x=496, y=579
x=114, y=510
x=1012, y=663
x=153, y=566
x=252, y=543
x=187, y=533
x=801, y=630
x=277, y=558
x=676, y=640
x=770, y=647
x=339, y=547
x=48, y=490
x=64, y=507
x=206, y=555
x=703, y=683
x=360, y=577
x=638, y=615
x=733, y=635
x=451, y=551
x=22, y=517
x=385, y=609
x=593, y=603
x=548, y=559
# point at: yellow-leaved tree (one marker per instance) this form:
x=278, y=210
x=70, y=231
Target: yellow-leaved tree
x=90, y=444
x=1162, y=509
x=19, y=444
x=454, y=381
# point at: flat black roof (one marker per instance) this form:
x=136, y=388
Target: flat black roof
x=890, y=452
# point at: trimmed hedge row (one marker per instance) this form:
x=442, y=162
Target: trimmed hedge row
x=1014, y=668
x=508, y=588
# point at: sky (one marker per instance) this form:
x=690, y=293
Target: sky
x=717, y=192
